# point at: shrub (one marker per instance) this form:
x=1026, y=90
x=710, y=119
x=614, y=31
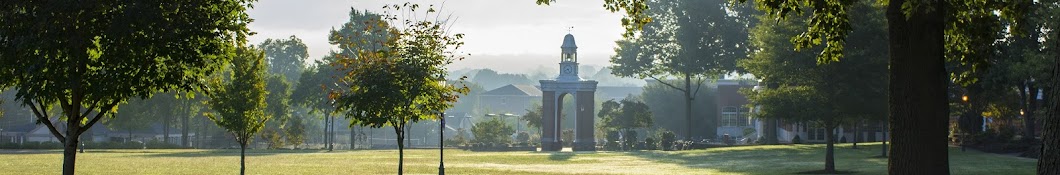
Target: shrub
x=523, y=137
x=651, y=143
x=458, y=138
x=568, y=137
x=843, y=139
x=796, y=140
x=273, y=138
x=492, y=131
x=630, y=139
x=667, y=140
x=612, y=141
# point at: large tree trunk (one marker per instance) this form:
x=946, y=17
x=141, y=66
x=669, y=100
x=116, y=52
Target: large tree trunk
x=829, y=156
x=1049, y=158
x=70, y=146
x=688, y=107
x=770, y=130
x=918, y=106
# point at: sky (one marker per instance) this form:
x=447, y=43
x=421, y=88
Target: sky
x=511, y=36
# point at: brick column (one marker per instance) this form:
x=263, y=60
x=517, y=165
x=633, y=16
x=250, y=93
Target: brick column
x=549, y=139
x=584, y=136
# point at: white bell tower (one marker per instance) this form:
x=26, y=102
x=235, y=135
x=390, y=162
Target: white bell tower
x=568, y=65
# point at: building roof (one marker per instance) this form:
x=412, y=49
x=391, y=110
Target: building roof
x=618, y=92
x=568, y=42
x=515, y=90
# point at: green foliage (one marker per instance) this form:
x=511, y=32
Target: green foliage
x=403, y=80
x=684, y=40
x=612, y=139
x=295, y=131
x=567, y=136
x=629, y=139
x=105, y=53
x=91, y=57
x=278, y=99
x=630, y=114
x=666, y=140
x=533, y=116
x=285, y=57
x=273, y=138
x=823, y=94
x=522, y=137
x=669, y=113
x=239, y=103
x=651, y=144
x=401, y=83
x=493, y=131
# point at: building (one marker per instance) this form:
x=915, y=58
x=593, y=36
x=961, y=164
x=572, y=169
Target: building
x=512, y=98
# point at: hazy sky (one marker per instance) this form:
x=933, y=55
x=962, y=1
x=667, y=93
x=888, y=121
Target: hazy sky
x=506, y=35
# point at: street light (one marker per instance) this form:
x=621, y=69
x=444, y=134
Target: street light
x=441, y=138
x=441, y=145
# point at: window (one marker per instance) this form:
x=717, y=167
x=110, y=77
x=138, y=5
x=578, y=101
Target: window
x=816, y=134
x=733, y=117
x=729, y=117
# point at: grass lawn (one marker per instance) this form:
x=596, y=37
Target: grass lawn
x=775, y=159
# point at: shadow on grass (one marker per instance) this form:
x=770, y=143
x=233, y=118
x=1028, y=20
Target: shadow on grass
x=560, y=156
x=224, y=152
x=778, y=159
x=827, y=172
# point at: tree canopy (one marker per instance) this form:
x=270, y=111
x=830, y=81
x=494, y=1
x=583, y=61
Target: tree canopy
x=286, y=56
x=403, y=81
x=238, y=99
x=90, y=57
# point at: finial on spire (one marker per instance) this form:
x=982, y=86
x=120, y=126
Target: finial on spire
x=569, y=29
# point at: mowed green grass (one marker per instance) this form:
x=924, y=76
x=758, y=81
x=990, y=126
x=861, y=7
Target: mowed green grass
x=775, y=159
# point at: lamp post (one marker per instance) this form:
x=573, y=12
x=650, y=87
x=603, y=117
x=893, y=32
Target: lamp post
x=441, y=146
x=441, y=138
x=964, y=134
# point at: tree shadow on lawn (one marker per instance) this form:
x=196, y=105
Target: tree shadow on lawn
x=224, y=152
x=564, y=156
x=780, y=159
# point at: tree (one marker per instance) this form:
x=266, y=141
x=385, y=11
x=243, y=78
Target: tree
x=239, y=104
x=917, y=78
x=131, y=117
x=826, y=95
x=629, y=113
x=313, y=88
x=278, y=107
x=669, y=113
x=532, y=116
x=493, y=131
x=685, y=42
x=295, y=131
x=285, y=56
x=624, y=116
x=95, y=56
x=1049, y=159
x=402, y=81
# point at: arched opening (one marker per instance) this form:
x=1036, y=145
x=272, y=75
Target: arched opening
x=567, y=118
